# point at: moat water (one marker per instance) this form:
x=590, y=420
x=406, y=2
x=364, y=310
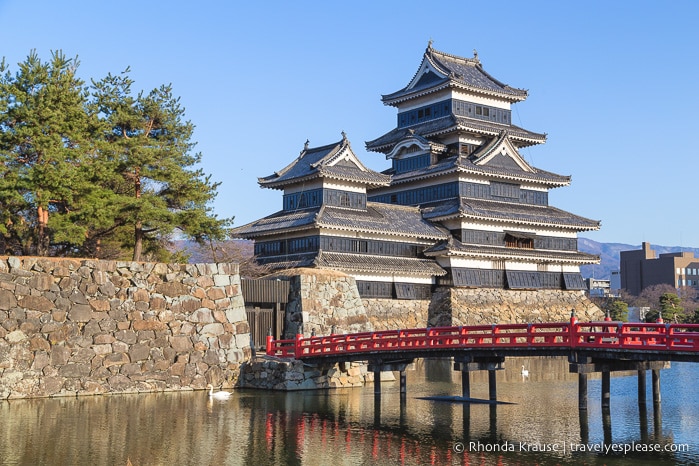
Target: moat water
x=352, y=427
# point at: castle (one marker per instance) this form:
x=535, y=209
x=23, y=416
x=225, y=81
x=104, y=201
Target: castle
x=459, y=207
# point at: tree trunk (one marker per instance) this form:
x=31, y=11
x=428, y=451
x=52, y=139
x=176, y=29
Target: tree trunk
x=138, y=229
x=42, y=240
x=138, y=243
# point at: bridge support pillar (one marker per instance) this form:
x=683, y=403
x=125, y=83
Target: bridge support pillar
x=582, y=392
x=642, y=387
x=606, y=390
x=377, y=382
x=656, y=386
x=465, y=384
x=587, y=365
x=492, y=386
x=378, y=366
x=468, y=364
x=403, y=385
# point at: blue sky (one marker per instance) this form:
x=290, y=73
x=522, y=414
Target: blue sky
x=611, y=83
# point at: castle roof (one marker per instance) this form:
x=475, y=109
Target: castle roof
x=505, y=212
x=454, y=247
x=439, y=70
x=453, y=123
x=498, y=159
x=364, y=263
x=335, y=161
x=386, y=219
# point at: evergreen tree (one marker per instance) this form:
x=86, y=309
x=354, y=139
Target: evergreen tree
x=96, y=171
x=618, y=310
x=44, y=136
x=148, y=145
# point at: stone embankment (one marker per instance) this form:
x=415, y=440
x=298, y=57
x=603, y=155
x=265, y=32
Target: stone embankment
x=280, y=374
x=461, y=306
x=72, y=327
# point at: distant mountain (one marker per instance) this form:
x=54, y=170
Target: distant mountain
x=609, y=255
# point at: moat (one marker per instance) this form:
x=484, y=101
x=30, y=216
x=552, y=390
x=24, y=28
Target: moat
x=348, y=426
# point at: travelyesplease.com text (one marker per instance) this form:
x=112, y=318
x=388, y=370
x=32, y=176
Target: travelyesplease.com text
x=572, y=447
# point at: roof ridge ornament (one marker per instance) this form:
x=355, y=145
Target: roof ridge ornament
x=305, y=146
x=429, y=44
x=475, y=56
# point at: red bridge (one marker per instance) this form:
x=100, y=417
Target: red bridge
x=590, y=347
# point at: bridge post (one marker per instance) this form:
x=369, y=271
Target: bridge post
x=606, y=392
x=582, y=392
x=465, y=384
x=641, y=387
x=403, y=385
x=656, y=386
x=492, y=386
x=377, y=381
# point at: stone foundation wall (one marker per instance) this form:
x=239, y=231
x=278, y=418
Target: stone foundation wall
x=460, y=306
x=74, y=327
x=391, y=314
x=321, y=300
x=272, y=374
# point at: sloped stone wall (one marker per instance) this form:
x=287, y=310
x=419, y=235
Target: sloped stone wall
x=391, y=314
x=461, y=306
x=73, y=327
x=271, y=374
x=321, y=300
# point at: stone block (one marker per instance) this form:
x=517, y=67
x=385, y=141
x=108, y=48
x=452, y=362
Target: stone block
x=7, y=300
x=36, y=303
x=80, y=313
x=115, y=359
x=213, y=329
x=76, y=370
x=181, y=343
x=201, y=315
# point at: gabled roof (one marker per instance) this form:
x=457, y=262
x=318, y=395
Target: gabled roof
x=498, y=159
x=451, y=124
x=415, y=140
x=454, y=247
x=386, y=219
x=506, y=212
x=335, y=161
x=439, y=70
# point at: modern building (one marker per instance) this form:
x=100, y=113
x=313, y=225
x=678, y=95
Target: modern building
x=459, y=206
x=643, y=268
x=598, y=288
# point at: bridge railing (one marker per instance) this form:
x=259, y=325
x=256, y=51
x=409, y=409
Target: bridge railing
x=601, y=335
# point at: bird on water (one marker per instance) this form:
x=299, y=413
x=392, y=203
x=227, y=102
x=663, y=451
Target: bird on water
x=220, y=395
x=525, y=372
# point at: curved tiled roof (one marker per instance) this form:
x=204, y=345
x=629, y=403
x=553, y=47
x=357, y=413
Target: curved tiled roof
x=456, y=72
x=461, y=164
x=378, y=264
x=387, y=219
x=282, y=221
x=455, y=247
x=452, y=123
x=322, y=162
x=527, y=214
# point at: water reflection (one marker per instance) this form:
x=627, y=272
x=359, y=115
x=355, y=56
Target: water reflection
x=352, y=426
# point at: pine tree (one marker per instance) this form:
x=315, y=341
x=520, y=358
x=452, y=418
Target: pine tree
x=148, y=145
x=44, y=135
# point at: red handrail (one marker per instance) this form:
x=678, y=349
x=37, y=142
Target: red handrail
x=603, y=335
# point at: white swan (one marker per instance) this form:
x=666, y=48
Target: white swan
x=525, y=372
x=221, y=395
